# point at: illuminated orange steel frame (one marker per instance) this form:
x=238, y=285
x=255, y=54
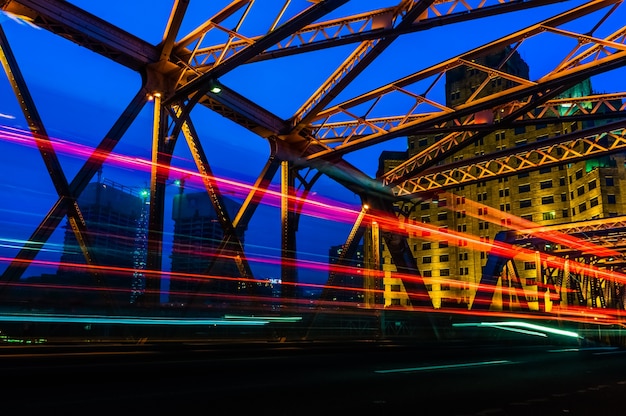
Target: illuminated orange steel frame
x=189, y=70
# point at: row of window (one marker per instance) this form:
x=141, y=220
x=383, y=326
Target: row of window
x=429, y=259
x=545, y=200
x=428, y=246
x=445, y=257
x=440, y=203
x=442, y=273
x=524, y=188
x=463, y=271
x=462, y=256
x=524, y=203
x=547, y=184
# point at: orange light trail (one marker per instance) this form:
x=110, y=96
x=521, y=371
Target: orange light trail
x=497, y=217
x=428, y=231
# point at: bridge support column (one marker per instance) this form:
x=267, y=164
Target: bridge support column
x=372, y=278
x=288, y=236
x=158, y=178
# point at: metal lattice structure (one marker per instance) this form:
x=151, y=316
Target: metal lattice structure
x=187, y=71
x=570, y=271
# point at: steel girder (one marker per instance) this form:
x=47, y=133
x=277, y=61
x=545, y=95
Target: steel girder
x=598, y=107
x=603, y=55
x=66, y=199
x=184, y=71
x=568, y=148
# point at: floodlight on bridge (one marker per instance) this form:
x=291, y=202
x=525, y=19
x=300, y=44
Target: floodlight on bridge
x=215, y=88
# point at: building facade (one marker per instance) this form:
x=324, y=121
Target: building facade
x=113, y=216
x=198, y=234
x=554, y=195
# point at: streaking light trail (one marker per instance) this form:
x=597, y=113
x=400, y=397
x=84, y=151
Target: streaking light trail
x=344, y=213
x=443, y=367
x=536, y=329
x=130, y=320
x=330, y=210
x=484, y=212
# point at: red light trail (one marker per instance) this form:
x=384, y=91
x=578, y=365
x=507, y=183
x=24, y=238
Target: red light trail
x=337, y=212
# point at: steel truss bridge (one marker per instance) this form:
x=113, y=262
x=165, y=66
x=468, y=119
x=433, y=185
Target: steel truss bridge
x=186, y=73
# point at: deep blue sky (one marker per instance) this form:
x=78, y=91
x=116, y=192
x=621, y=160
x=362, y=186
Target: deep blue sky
x=80, y=94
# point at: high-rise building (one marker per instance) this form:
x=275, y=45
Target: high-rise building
x=198, y=234
x=112, y=215
x=582, y=190
x=346, y=277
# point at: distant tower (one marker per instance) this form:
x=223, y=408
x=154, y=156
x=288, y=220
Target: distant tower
x=462, y=81
x=112, y=214
x=347, y=278
x=389, y=159
x=197, y=236
x=140, y=254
